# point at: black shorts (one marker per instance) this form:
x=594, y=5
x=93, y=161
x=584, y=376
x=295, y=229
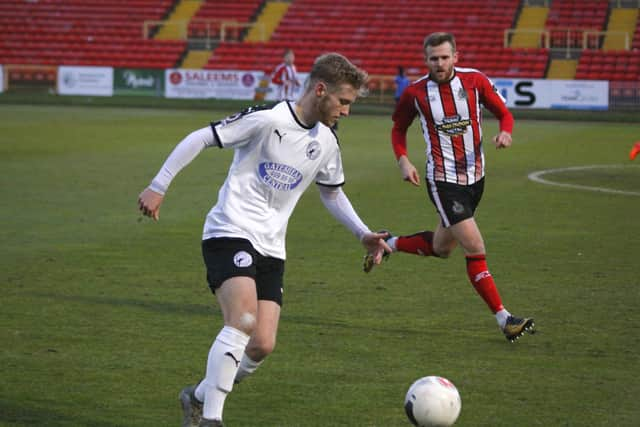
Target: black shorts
x=455, y=202
x=227, y=257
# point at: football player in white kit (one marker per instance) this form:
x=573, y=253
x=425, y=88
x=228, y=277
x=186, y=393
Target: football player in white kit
x=279, y=152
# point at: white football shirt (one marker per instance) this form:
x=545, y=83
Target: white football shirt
x=276, y=159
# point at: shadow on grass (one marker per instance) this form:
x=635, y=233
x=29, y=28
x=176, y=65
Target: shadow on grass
x=153, y=306
x=321, y=323
x=34, y=413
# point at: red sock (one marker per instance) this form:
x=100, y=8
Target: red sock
x=483, y=282
x=419, y=243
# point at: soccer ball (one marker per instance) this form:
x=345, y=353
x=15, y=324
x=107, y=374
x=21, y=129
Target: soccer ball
x=432, y=402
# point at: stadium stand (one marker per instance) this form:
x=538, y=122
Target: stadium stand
x=212, y=13
x=623, y=65
x=385, y=34
x=635, y=45
x=378, y=37
x=569, y=19
x=84, y=32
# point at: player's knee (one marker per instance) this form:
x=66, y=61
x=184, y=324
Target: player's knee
x=246, y=322
x=442, y=251
x=264, y=346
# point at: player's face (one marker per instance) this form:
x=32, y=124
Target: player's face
x=289, y=58
x=337, y=103
x=440, y=61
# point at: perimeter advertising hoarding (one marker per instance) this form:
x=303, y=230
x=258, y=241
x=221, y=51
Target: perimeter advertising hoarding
x=96, y=81
x=224, y=84
x=554, y=94
x=139, y=82
x=1, y=80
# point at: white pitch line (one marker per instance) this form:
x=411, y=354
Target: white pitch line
x=536, y=177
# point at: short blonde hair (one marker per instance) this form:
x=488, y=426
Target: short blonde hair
x=335, y=69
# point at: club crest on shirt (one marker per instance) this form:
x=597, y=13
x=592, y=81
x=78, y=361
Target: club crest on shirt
x=279, y=176
x=462, y=94
x=313, y=150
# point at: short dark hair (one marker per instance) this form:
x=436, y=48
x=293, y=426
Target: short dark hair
x=436, y=39
x=335, y=69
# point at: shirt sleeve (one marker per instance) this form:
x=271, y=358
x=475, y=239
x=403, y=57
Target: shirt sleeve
x=184, y=153
x=277, y=75
x=332, y=174
x=402, y=118
x=340, y=207
x=491, y=98
x=238, y=129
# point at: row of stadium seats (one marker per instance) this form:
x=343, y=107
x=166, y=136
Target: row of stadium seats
x=208, y=19
x=568, y=19
x=611, y=65
x=378, y=37
x=582, y=14
x=384, y=35
x=85, y=32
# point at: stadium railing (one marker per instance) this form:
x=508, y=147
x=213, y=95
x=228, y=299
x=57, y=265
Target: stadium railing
x=207, y=30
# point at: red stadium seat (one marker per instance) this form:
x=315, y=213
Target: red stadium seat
x=84, y=32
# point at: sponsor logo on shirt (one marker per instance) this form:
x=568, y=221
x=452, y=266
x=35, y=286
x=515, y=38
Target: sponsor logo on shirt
x=279, y=176
x=453, y=125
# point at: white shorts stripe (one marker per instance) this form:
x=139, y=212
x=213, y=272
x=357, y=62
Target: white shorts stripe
x=436, y=197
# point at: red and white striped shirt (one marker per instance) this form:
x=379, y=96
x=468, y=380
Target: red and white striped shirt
x=451, y=118
x=285, y=76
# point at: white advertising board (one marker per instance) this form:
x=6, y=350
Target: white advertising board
x=223, y=84
x=96, y=81
x=554, y=94
x=1, y=79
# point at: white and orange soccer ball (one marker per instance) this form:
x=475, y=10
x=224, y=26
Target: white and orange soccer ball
x=432, y=402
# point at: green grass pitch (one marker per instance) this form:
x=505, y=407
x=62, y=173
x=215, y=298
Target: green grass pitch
x=105, y=317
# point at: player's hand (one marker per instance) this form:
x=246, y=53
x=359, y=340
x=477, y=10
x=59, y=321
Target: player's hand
x=149, y=203
x=409, y=172
x=376, y=245
x=502, y=140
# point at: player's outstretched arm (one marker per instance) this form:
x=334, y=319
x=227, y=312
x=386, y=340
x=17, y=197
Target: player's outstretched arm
x=151, y=198
x=409, y=172
x=340, y=207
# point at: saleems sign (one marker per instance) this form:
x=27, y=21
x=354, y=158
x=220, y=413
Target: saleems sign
x=127, y=81
x=229, y=84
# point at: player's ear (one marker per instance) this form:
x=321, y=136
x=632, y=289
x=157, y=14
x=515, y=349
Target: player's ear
x=455, y=57
x=320, y=89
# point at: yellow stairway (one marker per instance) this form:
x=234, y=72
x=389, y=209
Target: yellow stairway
x=268, y=20
x=196, y=59
x=620, y=21
x=562, y=69
x=531, y=18
x=175, y=27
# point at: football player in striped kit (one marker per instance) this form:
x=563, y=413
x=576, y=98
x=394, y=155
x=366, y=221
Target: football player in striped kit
x=448, y=102
x=285, y=76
